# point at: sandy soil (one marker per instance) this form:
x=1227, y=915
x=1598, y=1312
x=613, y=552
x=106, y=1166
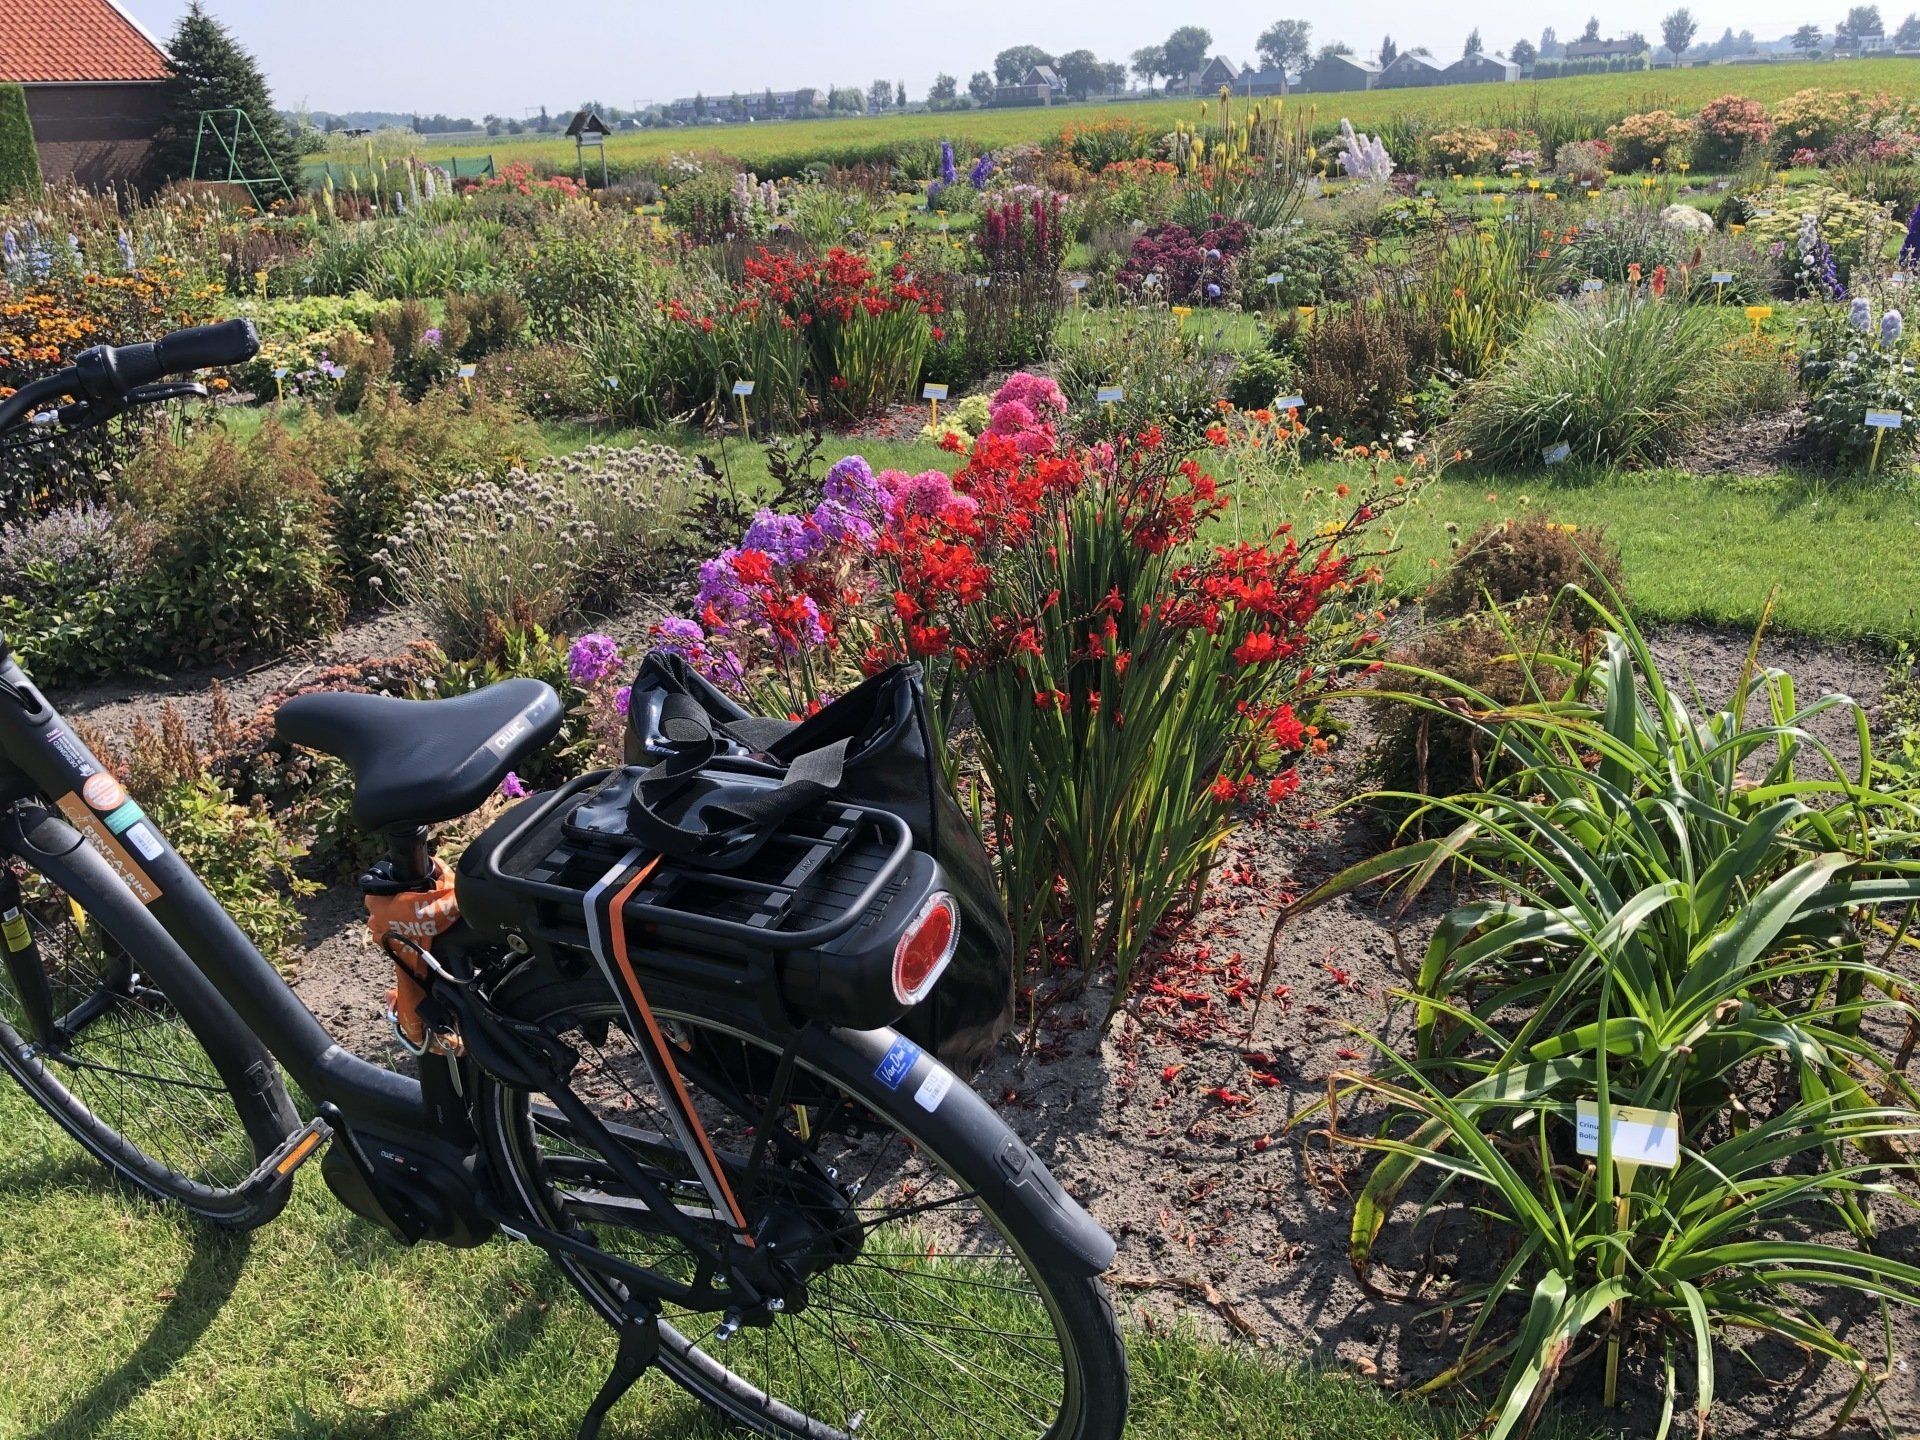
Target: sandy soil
x=1174, y=1126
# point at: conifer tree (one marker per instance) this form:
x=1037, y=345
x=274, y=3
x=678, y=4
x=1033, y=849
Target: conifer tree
x=212, y=72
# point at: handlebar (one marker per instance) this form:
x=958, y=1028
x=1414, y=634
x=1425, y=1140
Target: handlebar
x=107, y=374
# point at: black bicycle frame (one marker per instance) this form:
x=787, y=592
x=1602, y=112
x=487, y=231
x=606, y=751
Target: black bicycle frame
x=390, y=1130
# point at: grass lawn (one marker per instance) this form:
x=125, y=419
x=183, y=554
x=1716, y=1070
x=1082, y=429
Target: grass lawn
x=1696, y=548
x=119, y=1321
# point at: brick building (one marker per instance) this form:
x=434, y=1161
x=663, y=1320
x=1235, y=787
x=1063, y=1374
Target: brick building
x=94, y=80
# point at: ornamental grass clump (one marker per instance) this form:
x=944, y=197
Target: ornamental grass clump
x=1686, y=908
x=525, y=550
x=1624, y=380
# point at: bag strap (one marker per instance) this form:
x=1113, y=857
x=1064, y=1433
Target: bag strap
x=696, y=740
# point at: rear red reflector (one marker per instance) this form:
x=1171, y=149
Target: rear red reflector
x=925, y=949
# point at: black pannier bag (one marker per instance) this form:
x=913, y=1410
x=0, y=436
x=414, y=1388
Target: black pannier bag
x=872, y=747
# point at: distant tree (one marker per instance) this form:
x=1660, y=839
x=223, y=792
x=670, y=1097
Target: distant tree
x=1080, y=72
x=19, y=160
x=699, y=107
x=1747, y=43
x=1329, y=52
x=879, y=95
x=1862, y=23
x=846, y=100
x=1807, y=37
x=1285, y=44
x=1592, y=32
x=1419, y=50
x=1010, y=66
x=945, y=89
x=900, y=94
x=1678, y=30
x=1634, y=40
x=212, y=72
x=1113, y=75
x=1908, y=35
x=1186, y=50
x=1388, y=51
x=1523, y=54
x=1474, y=44
x=980, y=86
x=1550, y=46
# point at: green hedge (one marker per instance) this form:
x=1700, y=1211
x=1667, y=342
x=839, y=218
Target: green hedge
x=19, y=162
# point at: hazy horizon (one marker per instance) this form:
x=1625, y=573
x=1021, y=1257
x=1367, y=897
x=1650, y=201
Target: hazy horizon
x=434, y=56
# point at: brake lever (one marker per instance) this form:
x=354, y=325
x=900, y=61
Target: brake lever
x=165, y=390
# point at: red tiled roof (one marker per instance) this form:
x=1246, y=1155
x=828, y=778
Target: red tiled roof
x=74, y=41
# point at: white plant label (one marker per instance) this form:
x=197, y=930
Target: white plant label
x=613, y=382
x=1883, y=419
x=1587, y=287
x=1640, y=1137
x=931, y=391
x=1275, y=278
x=1079, y=282
x=1555, y=454
x=1290, y=402
x=1110, y=394
x=743, y=387
x=467, y=372
x=280, y=372
x=1721, y=277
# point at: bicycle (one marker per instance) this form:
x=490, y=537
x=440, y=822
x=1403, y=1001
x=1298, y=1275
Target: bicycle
x=772, y=1196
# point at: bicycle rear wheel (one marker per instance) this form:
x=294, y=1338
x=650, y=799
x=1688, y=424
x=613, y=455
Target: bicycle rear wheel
x=114, y=1033
x=950, y=1322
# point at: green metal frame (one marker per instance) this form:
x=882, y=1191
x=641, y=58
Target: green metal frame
x=215, y=123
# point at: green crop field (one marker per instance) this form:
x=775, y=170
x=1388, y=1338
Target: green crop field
x=1588, y=102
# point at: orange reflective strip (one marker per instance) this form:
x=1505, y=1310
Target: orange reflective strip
x=617, y=942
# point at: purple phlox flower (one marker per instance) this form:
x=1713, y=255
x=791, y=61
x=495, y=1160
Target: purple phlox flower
x=927, y=493
x=1213, y=291
x=432, y=335
x=678, y=636
x=592, y=658
x=785, y=537
x=1010, y=417
x=850, y=483
x=842, y=524
x=623, y=700
x=1039, y=393
x=720, y=587
x=514, y=788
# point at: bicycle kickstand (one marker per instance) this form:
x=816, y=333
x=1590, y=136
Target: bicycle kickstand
x=639, y=1345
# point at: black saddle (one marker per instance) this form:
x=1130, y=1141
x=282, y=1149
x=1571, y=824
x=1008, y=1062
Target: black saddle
x=415, y=762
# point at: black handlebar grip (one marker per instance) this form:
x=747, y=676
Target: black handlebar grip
x=228, y=343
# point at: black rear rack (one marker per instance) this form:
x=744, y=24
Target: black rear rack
x=810, y=883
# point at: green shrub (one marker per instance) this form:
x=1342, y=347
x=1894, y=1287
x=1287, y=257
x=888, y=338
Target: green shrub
x=1856, y=361
x=391, y=454
x=1260, y=378
x=544, y=381
x=1362, y=365
x=1167, y=370
x=1623, y=380
x=297, y=336
x=242, y=558
x=61, y=575
x=490, y=321
x=583, y=264
x=1312, y=263
x=19, y=160
x=521, y=553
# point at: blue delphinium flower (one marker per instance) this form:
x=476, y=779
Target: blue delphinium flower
x=948, y=171
x=1892, y=329
x=1860, y=315
x=1910, y=247
x=982, y=171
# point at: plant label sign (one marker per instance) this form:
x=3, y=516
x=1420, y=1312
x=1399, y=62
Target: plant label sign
x=1110, y=394
x=1556, y=454
x=613, y=382
x=1276, y=278
x=743, y=387
x=931, y=391
x=1721, y=277
x=1883, y=419
x=467, y=372
x=1079, y=282
x=1290, y=402
x=1588, y=287
x=280, y=372
x=1640, y=1137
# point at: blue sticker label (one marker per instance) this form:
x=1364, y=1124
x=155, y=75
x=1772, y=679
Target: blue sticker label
x=897, y=1063
x=120, y=820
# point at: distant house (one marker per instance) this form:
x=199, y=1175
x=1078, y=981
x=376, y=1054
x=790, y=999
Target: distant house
x=1339, y=72
x=1603, y=49
x=94, y=81
x=1270, y=81
x=1482, y=69
x=1041, y=85
x=1208, y=79
x=1409, y=70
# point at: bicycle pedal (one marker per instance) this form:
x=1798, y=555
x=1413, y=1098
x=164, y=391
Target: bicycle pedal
x=277, y=1170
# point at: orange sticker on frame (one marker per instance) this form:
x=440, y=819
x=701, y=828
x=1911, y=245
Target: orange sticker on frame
x=110, y=848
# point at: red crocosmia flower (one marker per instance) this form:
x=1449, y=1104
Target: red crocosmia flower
x=1283, y=785
x=1223, y=790
x=753, y=567
x=1257, y=648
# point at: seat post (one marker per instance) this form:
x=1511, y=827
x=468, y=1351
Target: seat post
x=407, y=854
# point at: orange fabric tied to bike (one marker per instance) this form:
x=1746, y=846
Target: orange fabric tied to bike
x=403, y=925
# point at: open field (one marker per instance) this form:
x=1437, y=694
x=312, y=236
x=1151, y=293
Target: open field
x=1595, y=99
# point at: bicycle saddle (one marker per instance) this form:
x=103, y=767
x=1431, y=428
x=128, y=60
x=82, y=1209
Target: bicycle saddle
x=415, y=762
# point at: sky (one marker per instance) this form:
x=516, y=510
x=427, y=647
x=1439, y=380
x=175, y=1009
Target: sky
x=481, y=57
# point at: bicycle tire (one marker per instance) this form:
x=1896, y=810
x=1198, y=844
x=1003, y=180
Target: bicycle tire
x=1093, y=1399
x=165, y=1041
